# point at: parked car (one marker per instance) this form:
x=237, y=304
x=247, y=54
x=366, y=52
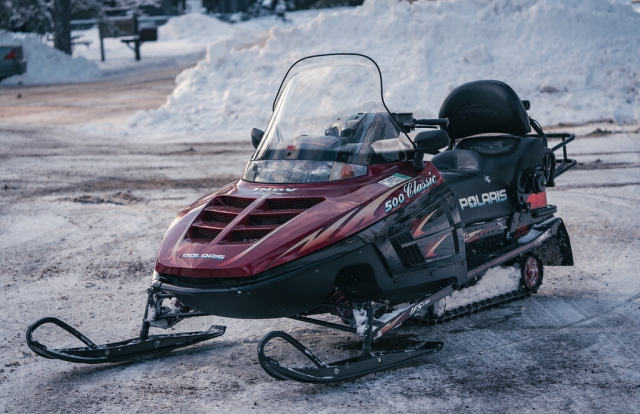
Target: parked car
x=11, y=61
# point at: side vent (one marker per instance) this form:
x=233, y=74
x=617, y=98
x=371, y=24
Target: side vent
x=215, y=217
x=253, y=226
x=406, y=247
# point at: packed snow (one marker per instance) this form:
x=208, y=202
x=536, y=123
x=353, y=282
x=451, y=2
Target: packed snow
x=575, y=60
x=362, y=321
x=495, y=282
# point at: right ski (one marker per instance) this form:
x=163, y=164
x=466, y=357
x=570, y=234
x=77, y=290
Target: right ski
x=339, y=370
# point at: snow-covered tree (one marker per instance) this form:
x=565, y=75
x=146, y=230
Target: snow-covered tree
x=54, y=16
x=26, y=16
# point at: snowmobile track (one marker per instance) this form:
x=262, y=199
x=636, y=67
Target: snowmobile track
x=476, y=307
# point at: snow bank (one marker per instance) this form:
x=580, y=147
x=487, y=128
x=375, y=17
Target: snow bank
x=46, y=64
x=194, y=26
x=576, y=60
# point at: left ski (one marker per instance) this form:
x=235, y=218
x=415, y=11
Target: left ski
x=129, y=350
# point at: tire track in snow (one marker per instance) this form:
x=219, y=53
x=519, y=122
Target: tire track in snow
x=554, y=330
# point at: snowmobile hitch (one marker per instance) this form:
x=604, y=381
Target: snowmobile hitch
x=128, y=350
x=365, y=363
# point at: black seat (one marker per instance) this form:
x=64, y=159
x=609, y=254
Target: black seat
x=530, y=150
x=458, y=165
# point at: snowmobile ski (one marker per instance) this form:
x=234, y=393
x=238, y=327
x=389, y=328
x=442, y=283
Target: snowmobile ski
x=339, y=370
x=365, y=363
x=128, y=350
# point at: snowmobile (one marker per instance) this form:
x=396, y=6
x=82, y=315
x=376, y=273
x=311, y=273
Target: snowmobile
x=341, y=219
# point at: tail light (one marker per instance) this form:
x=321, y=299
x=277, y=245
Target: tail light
x=11, y=55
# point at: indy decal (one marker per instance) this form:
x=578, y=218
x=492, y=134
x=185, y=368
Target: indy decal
x=484, y=199
x=273, y=190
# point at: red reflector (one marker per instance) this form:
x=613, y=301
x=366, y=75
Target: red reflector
x=291, y=147
x=11, y=55
x=537, y=200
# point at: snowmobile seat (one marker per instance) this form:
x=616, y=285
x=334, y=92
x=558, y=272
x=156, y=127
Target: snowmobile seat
x=529, y=150
x=458, y=165
x=485, y=164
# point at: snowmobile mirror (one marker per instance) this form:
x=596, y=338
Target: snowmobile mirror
x=428, y=142
x=256, y=136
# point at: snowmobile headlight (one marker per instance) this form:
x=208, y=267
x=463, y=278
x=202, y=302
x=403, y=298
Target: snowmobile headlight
x=341, y=171
x=155, y=277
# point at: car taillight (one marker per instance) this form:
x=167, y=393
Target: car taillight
x=11, y=55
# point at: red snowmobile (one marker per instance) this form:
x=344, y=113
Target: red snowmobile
x=339, y=213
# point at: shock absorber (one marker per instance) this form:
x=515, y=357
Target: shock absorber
x=339, y=298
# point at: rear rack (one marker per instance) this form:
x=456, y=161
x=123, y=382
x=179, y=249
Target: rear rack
x=564, y=164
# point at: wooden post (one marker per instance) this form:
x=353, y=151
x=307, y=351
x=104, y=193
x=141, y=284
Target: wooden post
x=136, y=35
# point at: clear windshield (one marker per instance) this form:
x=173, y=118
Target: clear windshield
x=329, y=123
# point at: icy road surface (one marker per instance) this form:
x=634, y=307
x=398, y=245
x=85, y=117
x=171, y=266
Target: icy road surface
x=82, y=216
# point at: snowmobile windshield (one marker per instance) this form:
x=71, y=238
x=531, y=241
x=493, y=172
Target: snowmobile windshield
x=329, y=123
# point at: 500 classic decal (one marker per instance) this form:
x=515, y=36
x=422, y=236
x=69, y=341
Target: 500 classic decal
x=359, y=218
x=484, y=199
x=409, y=190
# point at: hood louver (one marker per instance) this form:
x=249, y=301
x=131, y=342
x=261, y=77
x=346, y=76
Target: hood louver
x=252, y=226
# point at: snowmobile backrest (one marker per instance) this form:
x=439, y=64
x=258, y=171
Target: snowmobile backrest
x=484, y=106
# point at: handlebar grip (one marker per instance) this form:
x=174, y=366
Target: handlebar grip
x=437, y=121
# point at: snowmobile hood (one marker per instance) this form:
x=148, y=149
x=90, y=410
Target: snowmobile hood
x=245, y=228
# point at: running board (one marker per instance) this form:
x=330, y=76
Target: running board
x=538, y=234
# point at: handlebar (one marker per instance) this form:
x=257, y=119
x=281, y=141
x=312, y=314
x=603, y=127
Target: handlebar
x=409, y=123
x=436, y=121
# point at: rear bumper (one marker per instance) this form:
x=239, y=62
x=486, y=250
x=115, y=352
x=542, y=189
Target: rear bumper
x=12, y=67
